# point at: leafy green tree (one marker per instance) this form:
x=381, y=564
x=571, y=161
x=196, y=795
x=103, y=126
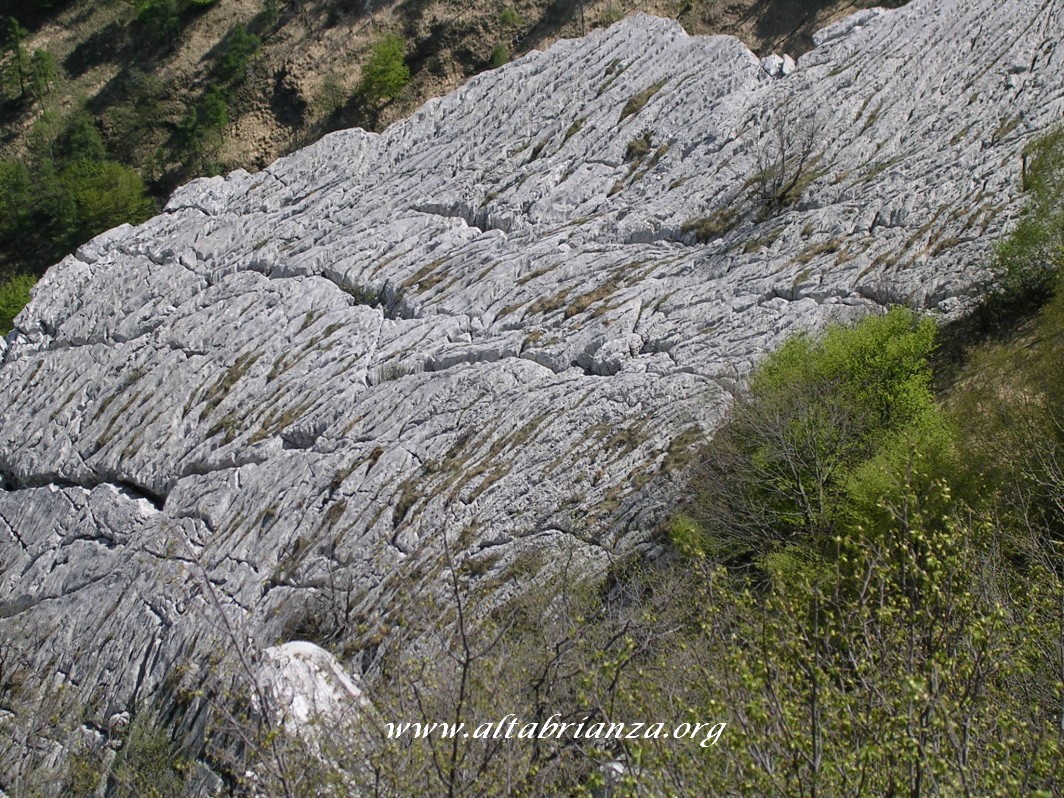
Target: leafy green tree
x=80, y=140
x=14, y=296
x=54, y=214
x=15, y=200
x=205, y=122
x=43, y=72
x=14, y=44
x=132, y=120
x=385, y=73
x=105, y=194
x=212, y=112
x=160, y=19
x=780, y=468
x=1028, y=260
x=898, y=666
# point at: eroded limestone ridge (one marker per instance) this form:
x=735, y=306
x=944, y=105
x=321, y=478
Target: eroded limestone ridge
x=500, y=322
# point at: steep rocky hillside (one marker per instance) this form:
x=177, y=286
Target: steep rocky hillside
x=300, y=80
x=501, y=323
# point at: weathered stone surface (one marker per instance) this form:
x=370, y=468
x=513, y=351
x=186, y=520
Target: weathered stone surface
x=307, y=690
x=484, y=323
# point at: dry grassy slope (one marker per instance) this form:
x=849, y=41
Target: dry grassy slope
x=283, y=102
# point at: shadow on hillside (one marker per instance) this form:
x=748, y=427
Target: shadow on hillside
x=788, y=25
x=105, y=46
x=31, y=15
x=556, y=15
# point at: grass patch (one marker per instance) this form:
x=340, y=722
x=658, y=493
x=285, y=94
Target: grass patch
x=584, y=301
x=549, y=304
x=613, y=71
x=815, y=250
x=637, y=102
x=639, y=147
x=709, y=228
x=574, y=128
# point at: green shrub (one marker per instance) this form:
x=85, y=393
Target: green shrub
x=500, y=55
x=385, y=73
x=43, y=73
x=159, y=19
x=17, y=69
x=80, y=140
x=16, y=189
x=105, y=194
x=206, y=120
x=511, y=18
x=788, y=461
x=14, y=296
x=1026, y=265
x=148, y=763
x=1028, y=260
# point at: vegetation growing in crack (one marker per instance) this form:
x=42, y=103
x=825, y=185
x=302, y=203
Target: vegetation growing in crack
x=709, y=228
x=786, y=160
x=638, y=101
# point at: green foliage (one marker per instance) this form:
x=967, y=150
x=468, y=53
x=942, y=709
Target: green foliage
x=792, y=455
x=269, y=15
x=43, y=73
x=14, y=296
x=148, y=763
x=1029, y=259
x=83, y=774
x=159, y=19
x=877, y=370
x=18, y=68
x=134, y=117
x=212, y=111
x=105, y=194
x=67, y=191
x=500, y=54
x=686, y=536
x=204, y=122
x=1026, y=265
x=15, y=191
x=511, y=18
x=859, y=675
x=330, y=96
x=80, y=140
x=385, y=73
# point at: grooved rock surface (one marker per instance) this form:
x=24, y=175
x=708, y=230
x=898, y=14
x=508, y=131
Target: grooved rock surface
x=488, y=323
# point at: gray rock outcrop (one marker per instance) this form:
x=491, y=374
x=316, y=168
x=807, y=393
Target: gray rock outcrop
x=502, y=322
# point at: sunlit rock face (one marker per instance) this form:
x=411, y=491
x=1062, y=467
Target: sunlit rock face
x=500, y=323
